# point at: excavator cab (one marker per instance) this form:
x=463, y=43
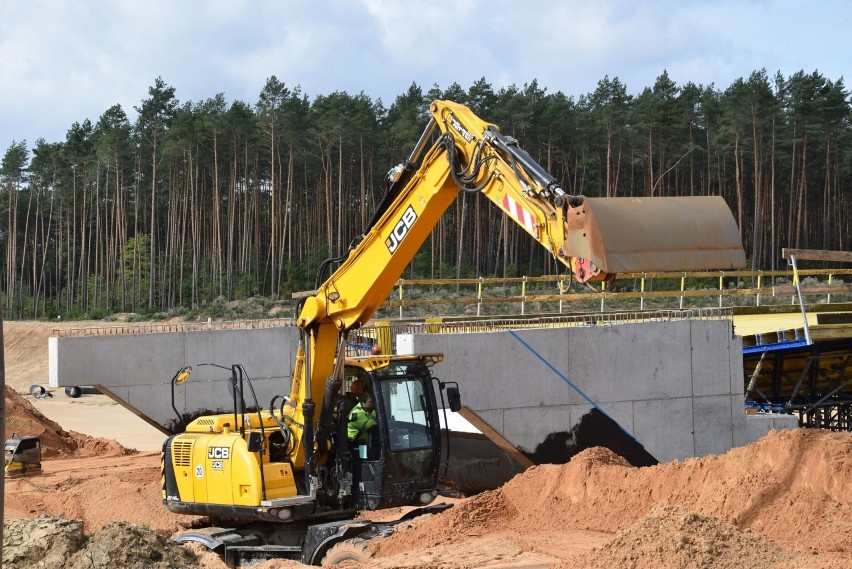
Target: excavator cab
x=395, y=461
x=23, y=455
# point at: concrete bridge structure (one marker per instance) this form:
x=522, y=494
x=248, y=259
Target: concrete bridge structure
x=673, y=384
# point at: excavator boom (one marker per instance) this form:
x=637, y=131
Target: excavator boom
x=595, y=237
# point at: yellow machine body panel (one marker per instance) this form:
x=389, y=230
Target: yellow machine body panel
x=16, y=468
x=218, y=468
x=228, y=421
x=279, y=480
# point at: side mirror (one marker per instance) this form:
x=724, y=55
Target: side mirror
x=454, y=398
x=182, y=375
x=255, y=441
x=179, y=378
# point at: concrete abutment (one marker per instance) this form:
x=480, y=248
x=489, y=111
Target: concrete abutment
x=676, y=387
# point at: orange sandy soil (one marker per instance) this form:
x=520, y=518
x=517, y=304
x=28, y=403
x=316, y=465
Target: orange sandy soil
x=784, y=501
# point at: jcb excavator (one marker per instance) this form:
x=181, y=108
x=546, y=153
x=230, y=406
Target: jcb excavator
x=287, y=481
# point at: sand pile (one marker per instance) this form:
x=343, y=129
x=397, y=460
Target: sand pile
x=24, y=419
x=784, y=501
x=791, y=488
x=670, y=536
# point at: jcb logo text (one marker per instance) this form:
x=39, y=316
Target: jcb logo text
x=218, y=452
x=401, y=228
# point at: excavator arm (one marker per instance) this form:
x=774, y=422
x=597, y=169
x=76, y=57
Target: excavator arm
x=295, y=463
x=459, y=152
x=595, y=237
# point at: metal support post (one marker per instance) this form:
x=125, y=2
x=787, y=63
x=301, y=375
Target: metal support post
x=801, y=300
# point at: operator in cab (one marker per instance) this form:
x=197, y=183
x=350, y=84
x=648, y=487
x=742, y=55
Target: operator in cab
x=362, y=418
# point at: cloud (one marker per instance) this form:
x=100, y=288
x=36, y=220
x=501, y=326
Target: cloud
x=64, y=61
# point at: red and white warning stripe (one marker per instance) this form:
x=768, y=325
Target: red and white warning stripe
x=524, y=217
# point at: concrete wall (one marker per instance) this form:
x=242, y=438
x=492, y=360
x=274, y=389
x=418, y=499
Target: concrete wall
x=676, y=387
x=138, y=368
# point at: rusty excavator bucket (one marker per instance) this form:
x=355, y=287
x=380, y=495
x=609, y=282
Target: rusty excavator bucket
x=663, y=234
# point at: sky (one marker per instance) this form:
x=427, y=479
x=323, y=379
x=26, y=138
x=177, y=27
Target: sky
x=65, y=61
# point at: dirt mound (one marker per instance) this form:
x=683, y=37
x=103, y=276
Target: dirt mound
x=97, y=491
x=120, y=544
x=670, y=536
x=777, y=487
x=49, y=541
x=24, y=419
x=59, y=543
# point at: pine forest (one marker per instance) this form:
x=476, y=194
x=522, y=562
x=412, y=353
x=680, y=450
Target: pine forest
x=195, y=202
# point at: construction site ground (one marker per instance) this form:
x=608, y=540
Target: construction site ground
x=784, y=501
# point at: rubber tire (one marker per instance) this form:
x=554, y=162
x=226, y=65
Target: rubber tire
x=347, y=550
x=37, y=391
x=73, y=391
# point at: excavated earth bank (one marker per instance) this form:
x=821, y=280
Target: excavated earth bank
x=784, y=501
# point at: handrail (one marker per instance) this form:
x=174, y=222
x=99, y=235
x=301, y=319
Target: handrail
x=611, y=292
x=626, y=276
x=163, y=327
x=481, y=297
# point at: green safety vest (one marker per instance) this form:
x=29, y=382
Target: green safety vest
x=360, y=422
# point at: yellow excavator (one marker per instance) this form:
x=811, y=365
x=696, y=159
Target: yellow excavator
x=288, y=480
